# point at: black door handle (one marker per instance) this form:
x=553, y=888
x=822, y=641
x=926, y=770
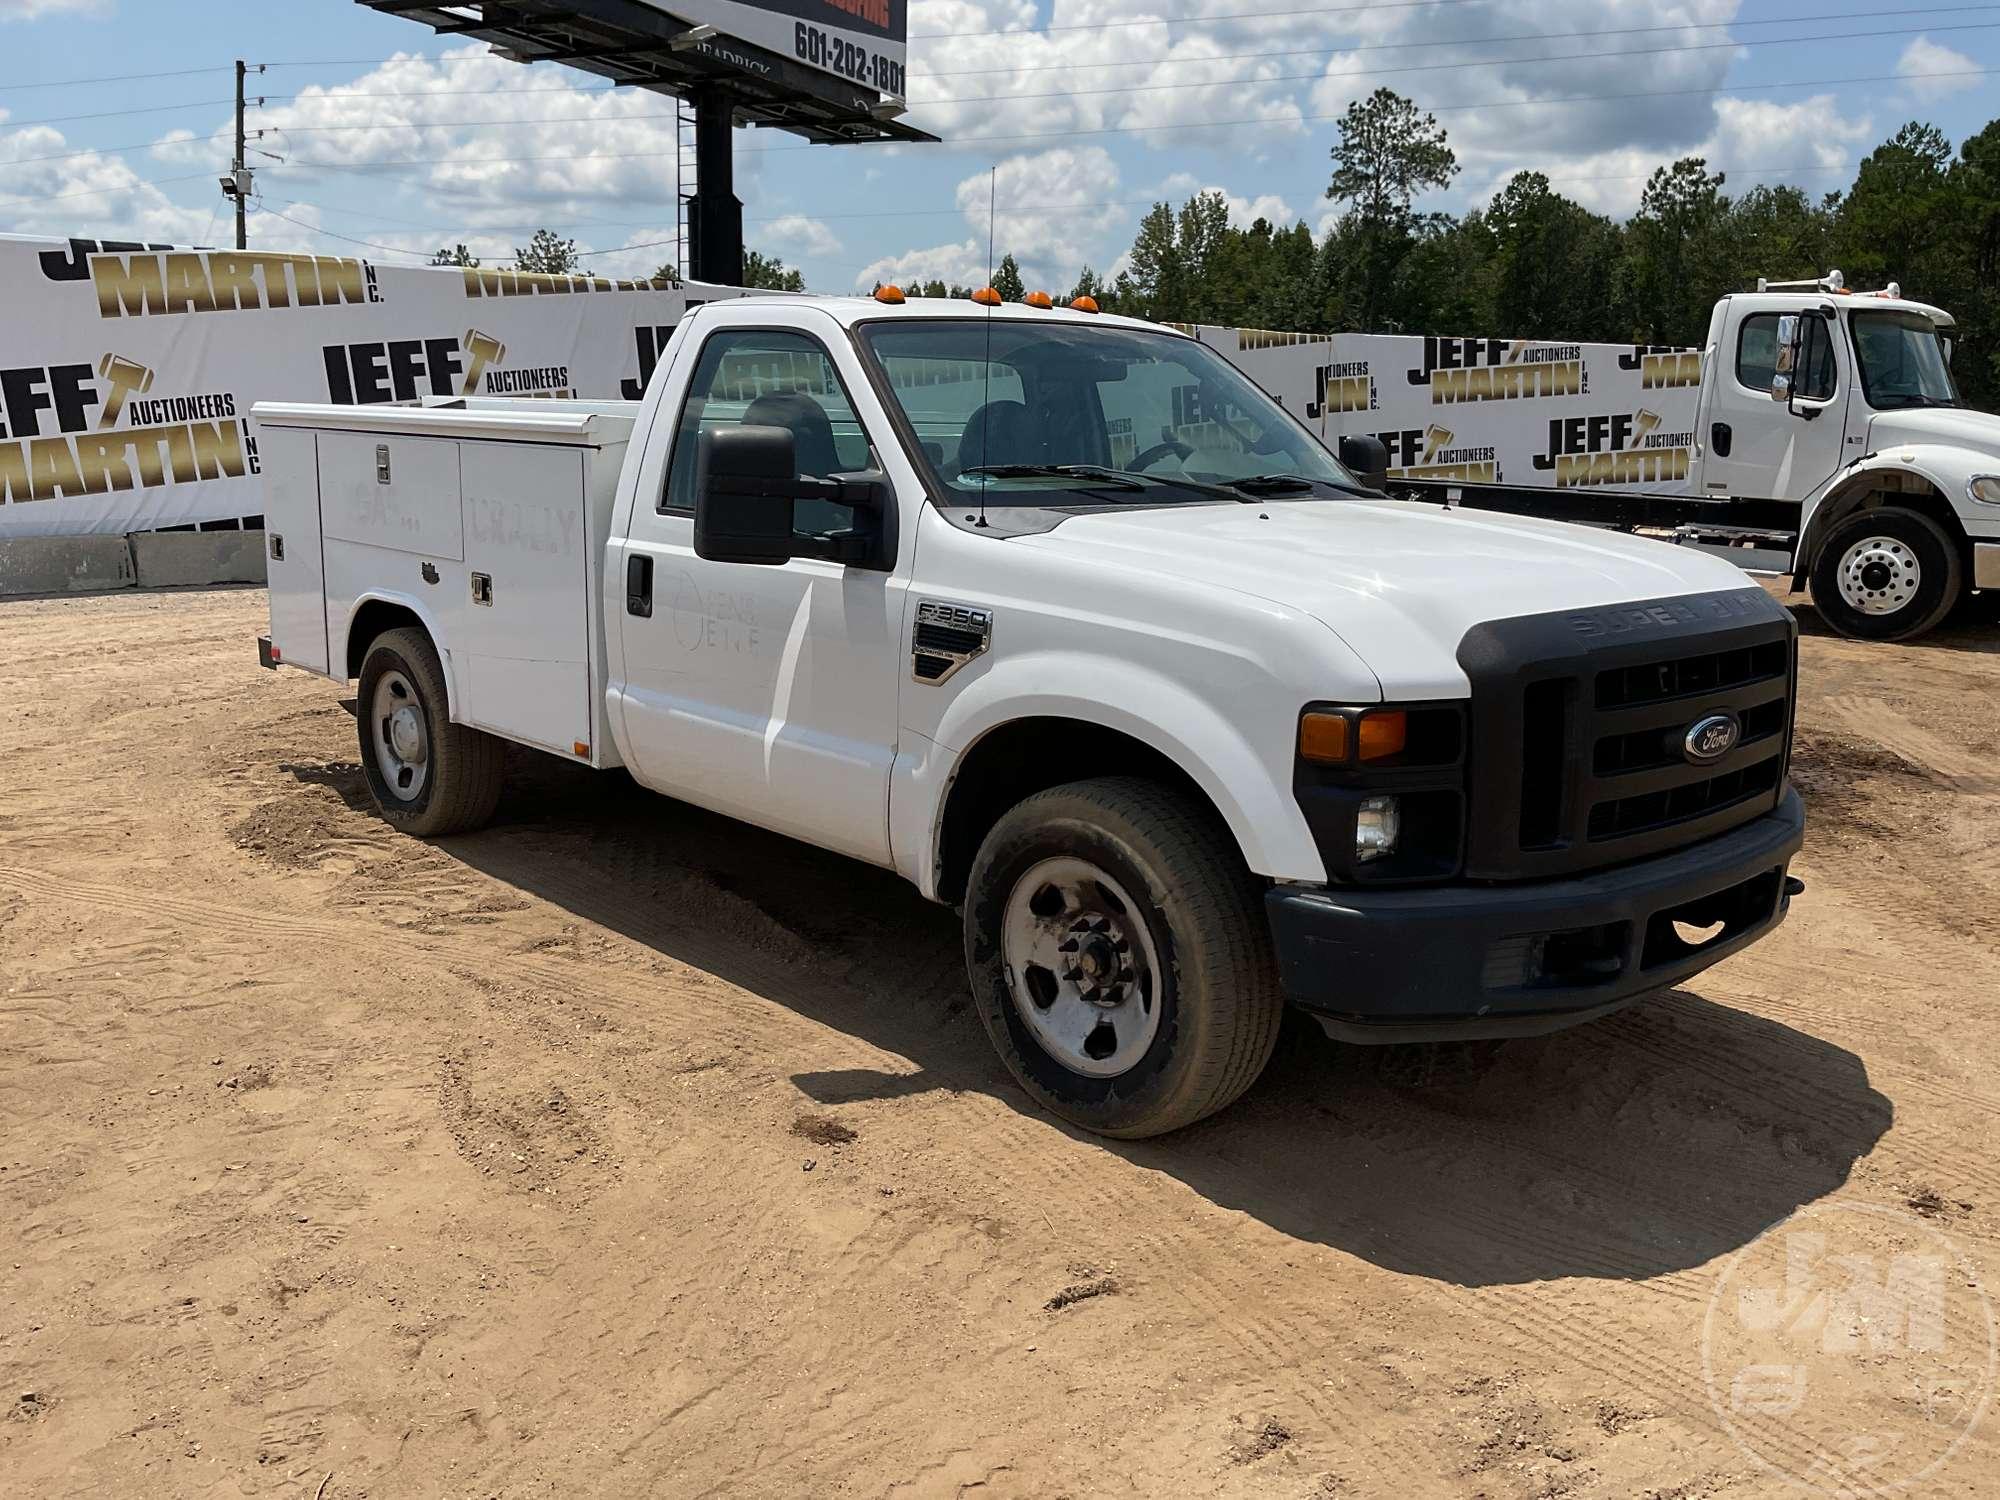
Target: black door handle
x=1718, y=439
x=639, y=586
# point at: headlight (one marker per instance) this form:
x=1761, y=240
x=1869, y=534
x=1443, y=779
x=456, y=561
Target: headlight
x=1377, y=824
x=1985, y=489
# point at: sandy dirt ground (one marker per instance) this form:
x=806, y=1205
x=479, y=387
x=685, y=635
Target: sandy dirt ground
x=620, y=1150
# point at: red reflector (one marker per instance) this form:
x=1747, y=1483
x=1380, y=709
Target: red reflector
x=276, y=654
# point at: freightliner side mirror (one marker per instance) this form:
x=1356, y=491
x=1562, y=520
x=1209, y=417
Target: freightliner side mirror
x=1788, y=358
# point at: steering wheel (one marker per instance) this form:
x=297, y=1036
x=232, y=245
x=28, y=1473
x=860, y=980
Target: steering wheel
x=1159, y=451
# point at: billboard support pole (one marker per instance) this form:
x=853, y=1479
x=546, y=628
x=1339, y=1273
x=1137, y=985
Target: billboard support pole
x=715, y=216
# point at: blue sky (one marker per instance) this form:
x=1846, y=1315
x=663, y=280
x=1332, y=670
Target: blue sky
x=1085, y=111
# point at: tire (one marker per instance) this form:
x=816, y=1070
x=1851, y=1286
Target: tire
x=453, y=786
x=1193, y=1008
x=1887, y=574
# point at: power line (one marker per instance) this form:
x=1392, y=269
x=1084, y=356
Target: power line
x=1484, y=62
x=123, y=187
x=1531, y=36
x=73, y=83
x=1234, y=15
x=1149, y=88
x=106, y=114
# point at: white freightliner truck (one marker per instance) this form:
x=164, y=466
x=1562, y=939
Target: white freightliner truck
x=1819, y=422
x=1063, y=619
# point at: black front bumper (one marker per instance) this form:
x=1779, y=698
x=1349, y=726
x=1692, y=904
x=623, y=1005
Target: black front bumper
x=1455, y=962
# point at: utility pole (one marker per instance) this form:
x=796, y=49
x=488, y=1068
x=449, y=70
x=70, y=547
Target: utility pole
x=237, y=167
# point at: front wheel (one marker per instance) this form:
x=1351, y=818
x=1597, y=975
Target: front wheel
x=1887, y=574
x=429, y=775
x=1119, y=956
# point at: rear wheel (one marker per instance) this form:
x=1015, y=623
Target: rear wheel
x=1119, y=956
x=1886, y=575
x=429, y=775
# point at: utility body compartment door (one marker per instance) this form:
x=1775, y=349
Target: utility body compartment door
x=524, y=668
x=292, y=544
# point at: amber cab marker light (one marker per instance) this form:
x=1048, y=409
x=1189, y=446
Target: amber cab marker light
x=1323, y=738
x=1039, y=299
x=1083, y=304
x=891, y=294
x=986, y=297
x=1383, y=735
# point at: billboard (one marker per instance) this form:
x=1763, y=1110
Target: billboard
x=129, y=370
x=862, y=42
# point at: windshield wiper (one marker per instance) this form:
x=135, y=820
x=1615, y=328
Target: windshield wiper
x=1286, y=484
x=1105, y=478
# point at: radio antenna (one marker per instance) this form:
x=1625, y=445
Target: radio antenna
x=986, y=400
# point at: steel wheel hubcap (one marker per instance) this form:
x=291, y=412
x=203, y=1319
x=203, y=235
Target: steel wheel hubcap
x=1081, y=969
x=402, y=735
x=1879, y=575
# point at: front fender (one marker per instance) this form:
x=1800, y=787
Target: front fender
x=1937, y=466
x=417, y=606
x=1245, y=770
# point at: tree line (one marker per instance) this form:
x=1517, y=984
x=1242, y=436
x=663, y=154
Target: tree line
x=1532, y=263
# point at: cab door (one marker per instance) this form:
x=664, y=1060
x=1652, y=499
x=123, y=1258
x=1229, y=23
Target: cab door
x=1760, y=447
x=768, y=693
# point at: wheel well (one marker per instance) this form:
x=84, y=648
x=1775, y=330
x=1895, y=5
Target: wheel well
x=1027, y=756
x=374, y=617
x=1905, y=491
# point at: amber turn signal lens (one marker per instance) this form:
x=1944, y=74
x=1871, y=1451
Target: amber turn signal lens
x=1323, y=738
x=891, y=294
x=1384, y=735
x=986, y=297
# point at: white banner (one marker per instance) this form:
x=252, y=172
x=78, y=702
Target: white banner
x=128, y=372
x=1489, y=411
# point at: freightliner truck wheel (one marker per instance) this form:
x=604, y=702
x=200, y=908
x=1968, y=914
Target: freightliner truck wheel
x=1887, y=574
x=1119, y=956
x=429, y=775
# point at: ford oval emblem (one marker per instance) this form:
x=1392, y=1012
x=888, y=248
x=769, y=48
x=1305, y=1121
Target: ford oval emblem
x=1711, y=738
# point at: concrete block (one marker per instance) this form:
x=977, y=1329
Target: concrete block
x=190, y=559
x=65, y=564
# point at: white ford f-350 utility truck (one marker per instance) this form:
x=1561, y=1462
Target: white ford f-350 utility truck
x=1819, y=429
x=1062, y=618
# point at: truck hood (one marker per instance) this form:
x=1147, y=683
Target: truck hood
x=1400, y=583
x=1953, y=425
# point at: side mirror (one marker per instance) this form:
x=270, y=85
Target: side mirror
x=746, y=480
x=1787, y=358
x=1368, y=459
x=747, y=487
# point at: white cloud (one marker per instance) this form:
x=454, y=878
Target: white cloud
x=962, y=264
x=1809, y=142
x=83, y=192
x=1243, y=212
x=486, y=141
x=794, y=233
x=28, y=10
x=1924, y=56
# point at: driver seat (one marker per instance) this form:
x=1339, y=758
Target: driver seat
x=1001, y=432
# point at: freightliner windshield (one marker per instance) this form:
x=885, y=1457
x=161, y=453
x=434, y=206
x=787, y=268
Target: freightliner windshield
x=1014, y=413
x=1902, y=359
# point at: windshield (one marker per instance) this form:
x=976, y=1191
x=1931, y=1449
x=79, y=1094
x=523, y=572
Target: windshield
x=1903, y=361
x=1124, y=410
